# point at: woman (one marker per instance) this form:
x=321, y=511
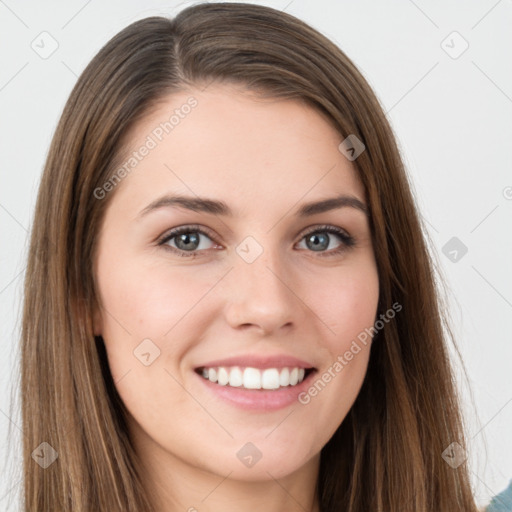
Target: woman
x=229, y=301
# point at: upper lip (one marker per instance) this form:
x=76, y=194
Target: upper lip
x=262, y=362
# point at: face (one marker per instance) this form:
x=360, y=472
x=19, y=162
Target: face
x=252, y=284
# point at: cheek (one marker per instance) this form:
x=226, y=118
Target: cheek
x=146, y=300
x=347, y=304
x=145, y=310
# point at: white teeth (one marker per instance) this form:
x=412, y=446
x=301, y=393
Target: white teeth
x=270, y=379
x=284, y=377
x=235, y=378
x=222, y=376
x=254, y=378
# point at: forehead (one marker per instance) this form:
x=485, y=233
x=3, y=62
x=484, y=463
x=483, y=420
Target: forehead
x=229, y=143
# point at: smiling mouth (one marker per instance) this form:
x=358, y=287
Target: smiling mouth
x=255, y=378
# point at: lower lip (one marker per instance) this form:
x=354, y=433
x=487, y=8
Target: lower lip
x=259, y=399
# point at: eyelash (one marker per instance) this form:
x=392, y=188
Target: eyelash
x=347, y=240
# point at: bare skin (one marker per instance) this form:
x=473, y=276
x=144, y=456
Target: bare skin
x=264, y=159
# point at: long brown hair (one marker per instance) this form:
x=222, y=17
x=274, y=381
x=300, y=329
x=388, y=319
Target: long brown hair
x=387, y=453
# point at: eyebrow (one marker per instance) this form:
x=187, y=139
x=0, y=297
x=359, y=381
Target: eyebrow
x=216, y=207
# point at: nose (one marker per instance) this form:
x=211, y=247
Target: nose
x=261, y=295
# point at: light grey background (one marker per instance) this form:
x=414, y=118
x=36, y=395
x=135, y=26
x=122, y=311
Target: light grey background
x=452, y=114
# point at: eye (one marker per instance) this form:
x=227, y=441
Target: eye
x=185, y=239
x=318, y=240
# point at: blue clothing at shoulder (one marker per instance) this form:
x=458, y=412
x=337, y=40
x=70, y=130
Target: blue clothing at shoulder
x=501, y=502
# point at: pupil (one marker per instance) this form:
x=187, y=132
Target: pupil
x=317, y=242
x=186, y=239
